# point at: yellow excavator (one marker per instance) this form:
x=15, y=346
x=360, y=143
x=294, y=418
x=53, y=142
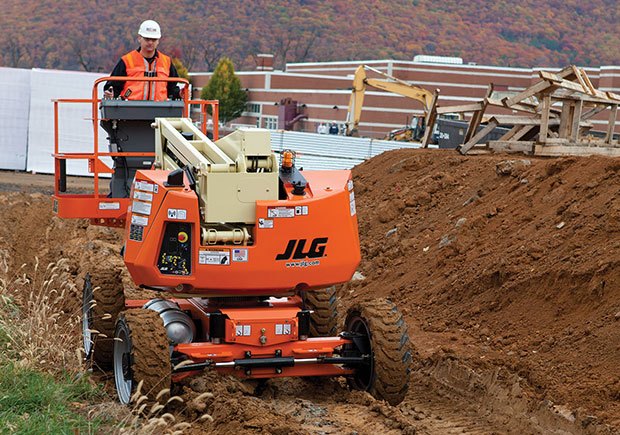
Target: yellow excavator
x=396, y=86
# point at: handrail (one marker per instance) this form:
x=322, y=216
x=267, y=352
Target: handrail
x=215, y=104
x=95, y=101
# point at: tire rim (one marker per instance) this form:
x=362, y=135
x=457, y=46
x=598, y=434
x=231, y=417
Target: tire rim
x=87, y=317
x=122, y=364
x=364, y=373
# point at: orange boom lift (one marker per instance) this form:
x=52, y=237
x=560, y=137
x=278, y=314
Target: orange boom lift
x=244, y=248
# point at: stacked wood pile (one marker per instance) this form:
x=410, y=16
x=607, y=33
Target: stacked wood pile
x=550, y=118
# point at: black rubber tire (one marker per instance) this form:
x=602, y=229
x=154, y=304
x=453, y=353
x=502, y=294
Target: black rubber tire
x=100, y=308
x=324, y=319
x=387, y=376
x=140, y=334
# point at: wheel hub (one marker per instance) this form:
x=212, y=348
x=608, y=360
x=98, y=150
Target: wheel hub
x=365, y=372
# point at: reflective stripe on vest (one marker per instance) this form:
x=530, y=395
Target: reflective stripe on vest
x=137, y=66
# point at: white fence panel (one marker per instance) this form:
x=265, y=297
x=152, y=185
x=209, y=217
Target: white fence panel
x=75, y=126
x=14, y=103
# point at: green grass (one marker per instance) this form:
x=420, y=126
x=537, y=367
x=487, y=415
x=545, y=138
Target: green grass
x=36, y=403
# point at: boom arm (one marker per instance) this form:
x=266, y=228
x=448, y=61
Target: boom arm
x=230, y=174
x=390, y=84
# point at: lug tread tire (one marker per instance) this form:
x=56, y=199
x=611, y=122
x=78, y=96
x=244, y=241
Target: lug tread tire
x=110, y=299
x=391, y=349
x=324, y=319
x=150, y=351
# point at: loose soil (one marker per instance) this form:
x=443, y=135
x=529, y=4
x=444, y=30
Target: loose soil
x=506, y=269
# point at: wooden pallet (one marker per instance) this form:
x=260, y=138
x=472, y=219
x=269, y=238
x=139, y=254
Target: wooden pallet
x=553, y=118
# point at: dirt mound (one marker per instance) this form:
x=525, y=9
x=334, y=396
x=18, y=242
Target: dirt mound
x=504, y=267
x=501, y=260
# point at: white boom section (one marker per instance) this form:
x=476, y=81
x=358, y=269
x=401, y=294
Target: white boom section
x=231, y=174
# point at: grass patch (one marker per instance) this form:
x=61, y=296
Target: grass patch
x=43, y=387
x=32, y=402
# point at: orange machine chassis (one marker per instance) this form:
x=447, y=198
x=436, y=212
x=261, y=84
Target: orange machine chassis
x=258, y=342
x=260, y=336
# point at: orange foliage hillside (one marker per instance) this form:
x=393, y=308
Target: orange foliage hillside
x=92, y=34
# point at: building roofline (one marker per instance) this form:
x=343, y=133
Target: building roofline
x=282, y=73
x=395, y=62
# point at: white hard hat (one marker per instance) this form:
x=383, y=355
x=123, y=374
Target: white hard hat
x=150, y=29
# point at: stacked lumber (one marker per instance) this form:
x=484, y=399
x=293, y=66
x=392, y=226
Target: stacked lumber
x=550, y=118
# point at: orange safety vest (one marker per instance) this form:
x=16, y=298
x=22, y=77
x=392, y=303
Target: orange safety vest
x=138, y=66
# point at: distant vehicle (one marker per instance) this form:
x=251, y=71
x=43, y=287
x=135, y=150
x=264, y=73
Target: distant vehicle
x=427, y=98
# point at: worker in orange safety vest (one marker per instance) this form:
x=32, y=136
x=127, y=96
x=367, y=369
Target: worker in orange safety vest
x=146, y=61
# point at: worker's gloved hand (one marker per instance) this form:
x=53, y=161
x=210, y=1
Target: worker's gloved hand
x=108, y=93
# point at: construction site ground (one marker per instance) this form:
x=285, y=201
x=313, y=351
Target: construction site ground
x=507, y=269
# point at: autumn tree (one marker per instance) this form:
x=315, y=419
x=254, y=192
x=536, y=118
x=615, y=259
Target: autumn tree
x=225, y=86
x=181, y=69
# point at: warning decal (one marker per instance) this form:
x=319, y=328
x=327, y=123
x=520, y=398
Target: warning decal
x=281, y=212
x=143, y=185
x=220, y=258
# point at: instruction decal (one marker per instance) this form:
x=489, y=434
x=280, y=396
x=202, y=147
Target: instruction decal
x=109, y=206
x=281, y=212
x=243, y=330
x=139, y=220
x=283, y=328
x=143, y=196
x=141, y=207
x=219, y=258
x=143, y=185
x=136, y=233
x=240, y=255
x=265, y=223
x=352, y=203
x=301, y=210
x=177, y=213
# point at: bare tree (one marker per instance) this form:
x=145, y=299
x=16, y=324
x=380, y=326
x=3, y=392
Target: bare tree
x=304, y=45
x=190, y=52
x=294, y=42
x=13, y=51
x=80, y=49
x=212, y=51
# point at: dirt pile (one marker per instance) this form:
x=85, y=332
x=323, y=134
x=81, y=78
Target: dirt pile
x=504, y=267
x=502, y=261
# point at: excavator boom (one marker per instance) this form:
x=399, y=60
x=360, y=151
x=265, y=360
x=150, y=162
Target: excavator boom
x=391, y=84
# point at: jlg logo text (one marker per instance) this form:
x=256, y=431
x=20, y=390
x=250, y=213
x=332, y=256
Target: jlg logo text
x=295, y=249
